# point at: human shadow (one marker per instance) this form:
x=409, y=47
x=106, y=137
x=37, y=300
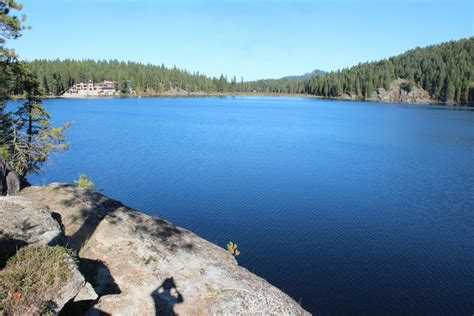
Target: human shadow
x=166, y=297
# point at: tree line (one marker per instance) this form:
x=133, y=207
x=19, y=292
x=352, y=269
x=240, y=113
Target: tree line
x=445, y=70
x=56, y=76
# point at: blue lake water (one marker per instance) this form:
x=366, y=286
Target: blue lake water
x=350, y=208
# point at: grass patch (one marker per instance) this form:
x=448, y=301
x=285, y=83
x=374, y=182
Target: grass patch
x=31, y=278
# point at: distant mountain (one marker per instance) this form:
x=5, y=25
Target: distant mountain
x=308, y=75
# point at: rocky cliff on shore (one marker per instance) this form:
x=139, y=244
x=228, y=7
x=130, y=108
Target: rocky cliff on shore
x=132, y=263
x=400, y=91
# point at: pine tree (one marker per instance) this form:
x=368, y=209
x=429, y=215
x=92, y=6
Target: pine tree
x=27, y=138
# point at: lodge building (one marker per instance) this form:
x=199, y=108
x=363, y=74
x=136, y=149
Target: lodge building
x=90, y=88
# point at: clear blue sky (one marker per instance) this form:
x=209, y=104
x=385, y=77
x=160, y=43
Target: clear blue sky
x=251, y=38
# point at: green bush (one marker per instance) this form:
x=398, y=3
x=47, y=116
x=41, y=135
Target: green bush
x=31, y=278
x=84, y=182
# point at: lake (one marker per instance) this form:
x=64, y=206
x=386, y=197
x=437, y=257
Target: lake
x=349, y=207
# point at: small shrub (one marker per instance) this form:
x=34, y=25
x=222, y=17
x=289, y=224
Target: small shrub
x=31, y=278
x=232, y=249
x=84, y=182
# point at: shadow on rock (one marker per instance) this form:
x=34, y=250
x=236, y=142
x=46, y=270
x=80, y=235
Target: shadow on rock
x=9, y=248
x=98, y=275
x=92, y=216
x=97, y=207
x=166, y=297
x=82, y=308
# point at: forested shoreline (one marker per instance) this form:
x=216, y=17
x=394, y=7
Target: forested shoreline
x=444, y=70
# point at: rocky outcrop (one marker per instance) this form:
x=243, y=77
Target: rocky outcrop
x=401, y=91
x=142, y=265
x=9, y=181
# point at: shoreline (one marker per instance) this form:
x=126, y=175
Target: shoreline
x=247, y=94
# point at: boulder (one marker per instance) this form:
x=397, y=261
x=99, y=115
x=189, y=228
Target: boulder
x=13, y=183
x=23, y=222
